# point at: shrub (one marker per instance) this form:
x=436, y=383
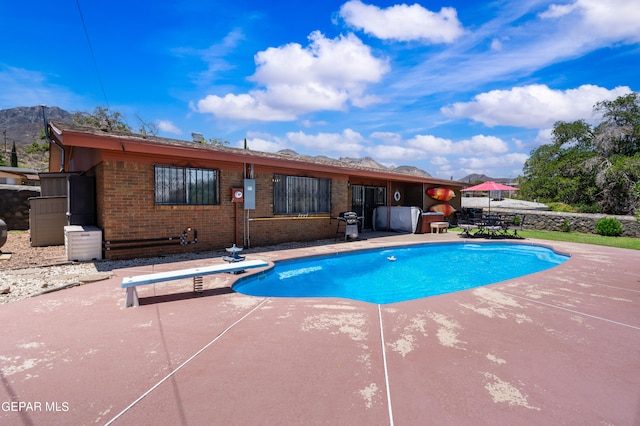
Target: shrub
x=589, y=208
x=566, y=226
x=37, y=147
x=609, y=227
x=561, y=207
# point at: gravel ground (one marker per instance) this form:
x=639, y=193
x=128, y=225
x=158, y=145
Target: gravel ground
x=27, y=271
x=30, y=271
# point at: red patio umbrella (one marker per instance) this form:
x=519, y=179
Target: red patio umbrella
x=490, y=186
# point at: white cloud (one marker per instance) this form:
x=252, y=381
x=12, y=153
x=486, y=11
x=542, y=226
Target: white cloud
x=347, y=143
x=242, y=107
x=557, y=11
x=476, y=145
x=496, y=44
x=513, y=161
x=534, y=106
x=440, y=157
x=344, y=61
x=396, y=153
x=601, y=19
x=403, y=22
x=519, y=43
x=439, y=160
x=259, y=143
x=168, y=127
x=544, y=136
x=388, y=137
x=326, y=75
x=213, y=56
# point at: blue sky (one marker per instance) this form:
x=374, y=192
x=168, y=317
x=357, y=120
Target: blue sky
x=452, y=87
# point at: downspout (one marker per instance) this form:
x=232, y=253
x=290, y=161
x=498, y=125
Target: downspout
x=49, y=139
x=388, y=205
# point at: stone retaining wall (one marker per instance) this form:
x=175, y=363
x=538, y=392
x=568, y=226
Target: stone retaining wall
x=14, y=205
x=578, y=222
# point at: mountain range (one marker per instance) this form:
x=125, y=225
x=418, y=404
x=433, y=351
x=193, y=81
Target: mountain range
x=23, y=126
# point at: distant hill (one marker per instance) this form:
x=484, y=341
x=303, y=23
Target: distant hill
x=23, y=125
x=367, y=162
x=411, y=170
x=363, y=162
x=477, y=178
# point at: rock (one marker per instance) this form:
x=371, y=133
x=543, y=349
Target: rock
x=5, y=289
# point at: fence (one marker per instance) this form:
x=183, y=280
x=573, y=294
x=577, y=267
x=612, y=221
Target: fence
x=578, y=222
x=14, y=205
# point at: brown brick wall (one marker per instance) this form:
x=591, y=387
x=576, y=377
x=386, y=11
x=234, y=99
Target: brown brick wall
x=265, y=228
x=126, y=211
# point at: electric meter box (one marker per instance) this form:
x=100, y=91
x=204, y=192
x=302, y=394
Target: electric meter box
x=249, y=194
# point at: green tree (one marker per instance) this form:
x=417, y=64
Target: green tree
x=38, y=146
x=556, y=172
x=103, y=118
x=619, y=132
x=14, y=156
x=617, y=183
x=587, y=166
x=617, y=148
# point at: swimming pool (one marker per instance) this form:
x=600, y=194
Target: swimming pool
x=400, y=273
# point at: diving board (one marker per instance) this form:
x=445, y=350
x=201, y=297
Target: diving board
x=130, y=283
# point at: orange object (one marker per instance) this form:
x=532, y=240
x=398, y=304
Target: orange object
x=445, y=209
x=441, y=194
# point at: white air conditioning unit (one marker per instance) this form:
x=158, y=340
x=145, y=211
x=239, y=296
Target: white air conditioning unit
x=83, y=242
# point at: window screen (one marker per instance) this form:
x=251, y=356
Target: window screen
x=296, y=194
x=183, y=185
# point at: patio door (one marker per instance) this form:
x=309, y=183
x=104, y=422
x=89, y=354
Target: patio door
x=364, y=200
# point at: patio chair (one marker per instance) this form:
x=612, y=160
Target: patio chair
x=492, y=227
x=515, y=225
x=466, y=224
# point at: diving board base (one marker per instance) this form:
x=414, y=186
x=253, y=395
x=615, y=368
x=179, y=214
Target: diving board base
x=131, y=298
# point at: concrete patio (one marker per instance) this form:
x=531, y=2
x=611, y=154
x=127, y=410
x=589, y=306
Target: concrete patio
x=557, y=347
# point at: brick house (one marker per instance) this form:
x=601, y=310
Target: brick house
x=150, y=190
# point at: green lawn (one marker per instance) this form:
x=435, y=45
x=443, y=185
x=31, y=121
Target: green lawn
x=577, y=237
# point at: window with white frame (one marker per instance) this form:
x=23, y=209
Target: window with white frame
x=301, y=195
x=186, y=185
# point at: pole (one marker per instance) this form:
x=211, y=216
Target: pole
x=237, y=224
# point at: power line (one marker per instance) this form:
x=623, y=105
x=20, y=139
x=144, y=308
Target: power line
x=93, y=56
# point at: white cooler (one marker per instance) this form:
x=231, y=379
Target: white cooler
x=83, y=242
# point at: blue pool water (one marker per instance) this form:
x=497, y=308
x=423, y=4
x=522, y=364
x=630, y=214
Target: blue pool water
x=400, y=273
